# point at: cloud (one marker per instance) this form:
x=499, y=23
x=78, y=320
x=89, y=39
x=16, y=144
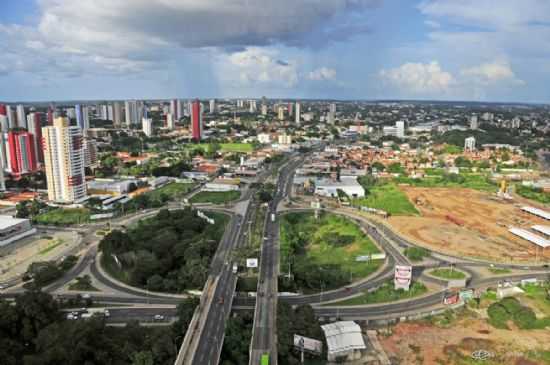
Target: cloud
x=492, y=72
x=322, y=74
x=419, y=78
x=258, y=65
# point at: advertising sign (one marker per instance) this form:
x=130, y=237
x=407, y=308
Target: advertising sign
x=403, y=277
x=251, y=263
x=308, y=344
x=378, y=256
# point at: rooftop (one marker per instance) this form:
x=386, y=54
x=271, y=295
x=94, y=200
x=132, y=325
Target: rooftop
x=343, y=336
x=7, y=221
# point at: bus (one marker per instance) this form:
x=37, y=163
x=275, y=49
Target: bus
x=264, y=360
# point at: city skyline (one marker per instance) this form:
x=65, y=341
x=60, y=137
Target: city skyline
x=368, y=50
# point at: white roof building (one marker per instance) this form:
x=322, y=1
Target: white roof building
x=531, y=237
x=536, y=211
x=348, y=184
x=344, y=339
x=542, y=229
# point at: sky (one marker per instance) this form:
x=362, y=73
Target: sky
x=476, y=50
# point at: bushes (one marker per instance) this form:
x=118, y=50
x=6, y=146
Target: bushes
x=416, y=253
x=509, y=309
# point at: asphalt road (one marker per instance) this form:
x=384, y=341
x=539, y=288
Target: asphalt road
x=264, y=333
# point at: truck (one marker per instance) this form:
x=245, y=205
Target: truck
x=273, y=217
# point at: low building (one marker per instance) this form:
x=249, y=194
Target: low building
x=13, y=229
x=344, y=341
x=348, y=184
x=116, y=187
x=221, y=185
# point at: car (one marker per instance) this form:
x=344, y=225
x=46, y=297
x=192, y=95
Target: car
x=86, y=296
x=158, y=317
x=72, y=317
x=107, y=313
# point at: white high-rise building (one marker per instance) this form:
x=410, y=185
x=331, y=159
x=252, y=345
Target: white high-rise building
x=147, y=126
x=170, y=124
x=212, y=108
x=264, y=109
x=474, y=122
x=117, y=114
x=332, y=108
x=470, y=144
x=400, y=126
x=252, y=106
x=64, y=161
x=281, y=113
x=131, y=108
x=298, y=113
x=21, y=117
x=12, y=118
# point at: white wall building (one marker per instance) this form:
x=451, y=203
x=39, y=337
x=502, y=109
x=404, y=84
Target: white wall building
x=64, y=161
x=348, y=184
x=13, y=229
x=285, y=139
x=147, y=126
x=264, y=138
x=298, y=113
x=470, y=144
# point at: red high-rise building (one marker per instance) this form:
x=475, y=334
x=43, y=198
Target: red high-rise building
x=34, y=126
x=3, y=110
x=22, y=154
x=196, y=122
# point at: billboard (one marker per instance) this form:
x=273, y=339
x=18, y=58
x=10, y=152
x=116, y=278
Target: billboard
x=403, y=276
x=251, y=263
x=308, y=344
x=378, y=256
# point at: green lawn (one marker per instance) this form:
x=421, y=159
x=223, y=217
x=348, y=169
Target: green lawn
x=172, y=190
x=53, y=244
x=215, y=197
x=237, y=147
x=385, y=294
x=63, y=216
x=474, y=181
x=389, y=198
x=538, y=297
x=499, y=271
x=533, y=194
x=447, y=273
x=324, y=251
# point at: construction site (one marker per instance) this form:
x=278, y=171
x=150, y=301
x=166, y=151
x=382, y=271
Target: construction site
x=475, y=224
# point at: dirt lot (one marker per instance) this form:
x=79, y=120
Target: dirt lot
x=468, y=222
x=425, y=343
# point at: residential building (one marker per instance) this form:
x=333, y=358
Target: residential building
x=470, y=144
x=117, y=114
x=281, y=112
x=252, y=106
x=90, y=152
x=64, y=161
x=12, y=117
x=212, y=108
x=264, y=138
x=34, y=126
x=21, y=117
x=474, y=124
x=196, y=120
x=400, y=126
x=170, y=123
x=298, y=115
x=147, y=126
x=264, y=109
x=131, y=109
x=22, y=155
x=285, y=139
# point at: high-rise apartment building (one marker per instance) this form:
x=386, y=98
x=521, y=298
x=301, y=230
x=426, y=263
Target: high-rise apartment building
x=22, y=156
x=34, y=126
x=12, y=117
x=264, y=109
x=64, y=161
x=212, y=108
x=400, y=126
x=290, y=109
x=21, y=117
x=90, y=152
x=298, y=113
x=281, y=113
x=132, y=113
x=117, y=114
x=196, y=120
x=474, y=122
x=170, y=124
x=470, y=144
x=147, y=126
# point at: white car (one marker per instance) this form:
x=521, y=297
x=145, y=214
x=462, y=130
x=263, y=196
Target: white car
x=158, y=317
x=71, y=317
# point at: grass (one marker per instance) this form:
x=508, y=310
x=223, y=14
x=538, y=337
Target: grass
x=215, y=197
x=537, y=296
x=474, y=181
x=237, y=147
x=82, y=283
x=449, y=274
x=385, y=294
x=307, y=243
x=173, y=191
x=52, y=246
x=387, y=197
x=533, y=194
x=62, y=216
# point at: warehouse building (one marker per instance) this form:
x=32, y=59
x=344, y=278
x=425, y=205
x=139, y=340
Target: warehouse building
x=13, y=229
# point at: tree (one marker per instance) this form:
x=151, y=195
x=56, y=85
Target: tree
x=22, y=209
x=378, y=166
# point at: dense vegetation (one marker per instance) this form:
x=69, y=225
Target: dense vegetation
x=462, y=180
x=533, y=193
x=299, y=321
x=44, y=273
x=215, y=197
x=238, y=334
x=416, y=253
x=34, y=331
x=169, y=252
x=321, y=253
x=510, y=309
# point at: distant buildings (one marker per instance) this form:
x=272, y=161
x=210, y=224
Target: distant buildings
x=64, y=161
x=298, y=113
x=470, y=144
x=34, y=127
x=397, y=131
x=285, y=139
x=117, y=114
x=134, y=113
x=212, y=108
x=264, y=109
x=264, y=138
x=21, y=117
x=281, y=113
x=170, y=124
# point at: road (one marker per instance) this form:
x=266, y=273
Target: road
x=264, y=333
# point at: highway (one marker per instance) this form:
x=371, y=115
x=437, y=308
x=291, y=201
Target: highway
x=264, y=333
